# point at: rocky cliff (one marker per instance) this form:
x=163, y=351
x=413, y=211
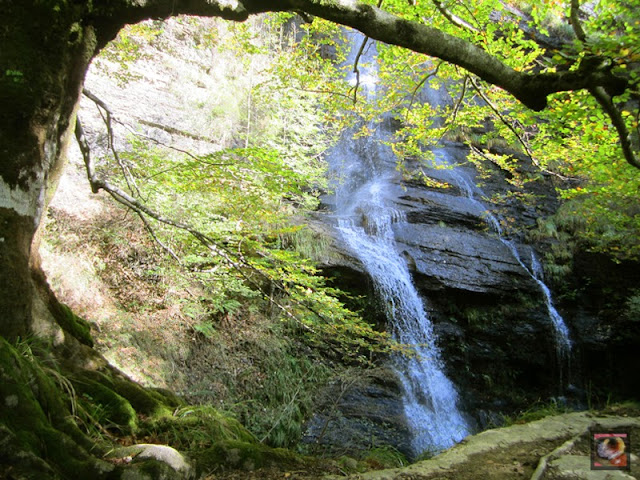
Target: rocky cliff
x=489, y=312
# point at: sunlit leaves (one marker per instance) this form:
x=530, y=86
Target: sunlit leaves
x=573, y=138
x=266, y=170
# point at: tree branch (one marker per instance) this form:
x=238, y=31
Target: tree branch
x=454, y=19
x=235, y=260
x=421, y=83
x=356, y=70
x=515, y=132
x=531, y=89
x=606, y=102
x=106, y=115
x=604, y=97
x=574, y=20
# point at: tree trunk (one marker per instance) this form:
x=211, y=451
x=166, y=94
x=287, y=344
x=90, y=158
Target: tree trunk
x=44, y=54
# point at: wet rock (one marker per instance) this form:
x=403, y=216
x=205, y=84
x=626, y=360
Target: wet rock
x=358, y=413
x=460, y=259
x=493, y=453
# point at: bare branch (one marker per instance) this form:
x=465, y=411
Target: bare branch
x=574, y=20
x=454, y=19
x=454, y=114
x=458, y=104
x=235, y=260
x=604, y=98
x=110, y=117
x=356, y=70
x=421, y=83
x=164, y=246
x=106, y=115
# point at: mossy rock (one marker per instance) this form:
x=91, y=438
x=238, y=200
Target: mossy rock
x=237, y=455
x=74, y=325
x=36, y=436
x=196, y=427
x=150, y=470
x=146, y=457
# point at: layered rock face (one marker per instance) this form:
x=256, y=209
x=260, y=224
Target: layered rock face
x=489, y=314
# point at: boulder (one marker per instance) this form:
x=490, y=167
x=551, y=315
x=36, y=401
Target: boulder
x=157, y=458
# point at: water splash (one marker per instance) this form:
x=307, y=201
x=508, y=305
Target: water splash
x=363, y=207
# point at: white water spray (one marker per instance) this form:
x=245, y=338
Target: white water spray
x=365, y=222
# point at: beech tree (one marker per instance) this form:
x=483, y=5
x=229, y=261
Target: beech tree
x=47, y=45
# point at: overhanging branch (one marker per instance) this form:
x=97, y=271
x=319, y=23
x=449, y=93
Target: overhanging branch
x=513, y=130
x=606, y=102
x=245, y=269
x=531, y=89
x=604, y=97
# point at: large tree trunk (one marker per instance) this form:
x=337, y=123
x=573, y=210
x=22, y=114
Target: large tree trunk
x=44, y=54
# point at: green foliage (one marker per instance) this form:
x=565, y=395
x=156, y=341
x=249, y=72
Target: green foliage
x=128, y=48
x=194, y=428
x=244, y=456
x=384, y=457
x=633, y=307
x=242, y=199
x=537, y=411
x=573, y=138
x=282, y=399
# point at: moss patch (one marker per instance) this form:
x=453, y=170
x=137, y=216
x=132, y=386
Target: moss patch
x=194, y=428
x=34, y=421
x=238, y=455
x=120, y=400
x=106, y=405
x=74, y=325
x=384, y=457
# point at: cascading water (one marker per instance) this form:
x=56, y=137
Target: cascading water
x=562, y=338
x=365, y=221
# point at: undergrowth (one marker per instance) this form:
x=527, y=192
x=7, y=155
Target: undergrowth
x=536, y=411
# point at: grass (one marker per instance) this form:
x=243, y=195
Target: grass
x=535, y=412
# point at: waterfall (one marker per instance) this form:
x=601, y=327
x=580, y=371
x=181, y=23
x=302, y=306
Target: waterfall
x=365, y=218
x=562, y=338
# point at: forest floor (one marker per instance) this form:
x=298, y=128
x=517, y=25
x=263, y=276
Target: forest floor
x=509, y=453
